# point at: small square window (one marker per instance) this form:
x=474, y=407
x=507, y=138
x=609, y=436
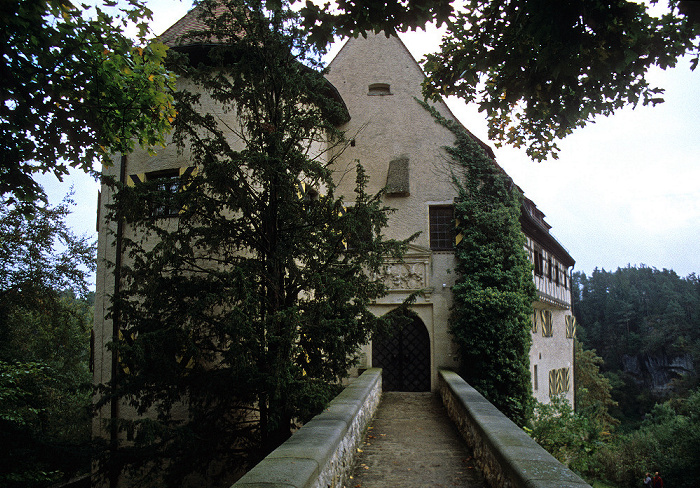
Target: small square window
x=442, y=226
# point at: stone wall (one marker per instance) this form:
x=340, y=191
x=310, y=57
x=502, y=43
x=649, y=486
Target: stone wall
x=508, y=457
x=321, y=453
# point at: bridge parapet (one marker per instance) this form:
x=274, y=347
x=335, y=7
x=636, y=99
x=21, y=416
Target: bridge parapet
x=508, y=457
x=321, y=453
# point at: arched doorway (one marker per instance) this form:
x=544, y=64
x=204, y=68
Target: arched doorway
x=403, y=353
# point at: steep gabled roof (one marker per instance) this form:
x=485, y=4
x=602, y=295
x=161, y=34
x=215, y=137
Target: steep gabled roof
x=179, y=36
x=175, y=35
x=531, y=219
x=533, y=224
x=180, y=33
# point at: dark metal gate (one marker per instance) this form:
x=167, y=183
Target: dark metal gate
x=404, y=357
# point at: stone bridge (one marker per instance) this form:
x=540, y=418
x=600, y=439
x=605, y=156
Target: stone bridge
x=366, y=439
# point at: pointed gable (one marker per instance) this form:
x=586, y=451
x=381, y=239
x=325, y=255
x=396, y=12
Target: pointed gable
x=397, y=141
x=385, y=58
x=381, y=65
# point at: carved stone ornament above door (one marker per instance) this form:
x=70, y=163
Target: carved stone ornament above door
x=411, y=274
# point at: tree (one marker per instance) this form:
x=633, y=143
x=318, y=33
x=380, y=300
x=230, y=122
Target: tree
x=583, y=438
x=346, y=19
x=538, y=69
x=75, y=90
x=45, y=321
x=563, y=433
x=636, y=317
x=39, y=253
x=247, y=302
x=593, y=391
x=666, y=442
x=674, y=427
x=493, y=292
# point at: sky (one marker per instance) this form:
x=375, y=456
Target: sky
x=625, y=189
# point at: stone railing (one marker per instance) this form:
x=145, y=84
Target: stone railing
x=321, y=453
x=508, y=457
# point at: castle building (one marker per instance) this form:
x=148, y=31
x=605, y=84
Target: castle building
x=401, y=148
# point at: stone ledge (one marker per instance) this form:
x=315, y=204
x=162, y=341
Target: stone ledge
x=322, y=451
x=507, y=456
x=316, y=441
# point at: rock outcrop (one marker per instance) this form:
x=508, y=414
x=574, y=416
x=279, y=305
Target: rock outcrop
x=656, y=371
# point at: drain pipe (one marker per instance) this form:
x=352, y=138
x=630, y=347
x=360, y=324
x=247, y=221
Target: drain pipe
x=573, y=354
x=116, y=323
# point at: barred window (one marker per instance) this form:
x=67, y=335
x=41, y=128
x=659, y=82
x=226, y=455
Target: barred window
x=167, y=186
x=442, y=236
x=163, y=200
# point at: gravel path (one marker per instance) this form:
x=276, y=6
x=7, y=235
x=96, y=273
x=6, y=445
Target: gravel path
x=412, y=443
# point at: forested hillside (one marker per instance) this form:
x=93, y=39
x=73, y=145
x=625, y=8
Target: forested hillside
x=637, y=400
x=645, y=324
x=46, y=316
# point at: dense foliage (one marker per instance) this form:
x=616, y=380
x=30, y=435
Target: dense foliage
x=639, y=320
x=75, y=89
x=565, y=434
x=541, y=69
x=45, y=323
x=576, y=437
x=247, y=304
x=493, y=292
x=538, y=69
x=667, y=441
x=589, y=443
x=593, y=391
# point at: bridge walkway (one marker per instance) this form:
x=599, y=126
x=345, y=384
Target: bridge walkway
x=412, y=443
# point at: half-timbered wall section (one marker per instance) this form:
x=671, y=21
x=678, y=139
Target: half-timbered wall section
x=553, y=326
x=552, y=262
x=552, y=277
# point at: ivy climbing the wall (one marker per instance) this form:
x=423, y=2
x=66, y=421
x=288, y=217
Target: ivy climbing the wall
x=493, y=292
